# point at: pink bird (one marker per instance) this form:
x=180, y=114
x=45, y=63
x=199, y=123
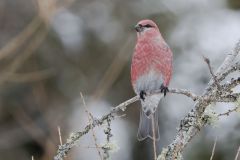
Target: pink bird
x=151, y=71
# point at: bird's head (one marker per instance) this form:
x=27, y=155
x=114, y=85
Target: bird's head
x=146, y=27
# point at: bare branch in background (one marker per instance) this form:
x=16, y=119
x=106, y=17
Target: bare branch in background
x=21, y=38
x=114, y=70
x=30, y=77
x=19, y=60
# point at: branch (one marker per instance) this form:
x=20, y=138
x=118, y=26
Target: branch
x=185, y=92
x=65, y=148
x=191, y=124
x=228, y=112
x=74, y=137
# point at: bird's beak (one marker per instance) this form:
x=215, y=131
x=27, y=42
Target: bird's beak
x=138, y=28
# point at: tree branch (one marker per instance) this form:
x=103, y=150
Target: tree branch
x=190, y=125
x=194, y=121
x=65, y=148
x=228, y=112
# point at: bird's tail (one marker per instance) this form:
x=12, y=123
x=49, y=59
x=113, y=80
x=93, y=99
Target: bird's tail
x=148, y=124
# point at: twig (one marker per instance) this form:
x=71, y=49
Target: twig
x=154, y=139
x=60, y=135
x=228, y=112
x=106, y=148
x=185, y=92
x=213, y=150
x=211, y=71
x=90, y=120
x=236, y=157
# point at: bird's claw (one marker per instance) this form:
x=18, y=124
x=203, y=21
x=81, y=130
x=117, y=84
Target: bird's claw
x=142, y=95
x=164, y=90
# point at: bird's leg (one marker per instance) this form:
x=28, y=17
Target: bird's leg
x=142, y=95
x=164, y=89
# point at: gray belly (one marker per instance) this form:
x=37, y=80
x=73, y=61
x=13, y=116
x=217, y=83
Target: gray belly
x=148, y=82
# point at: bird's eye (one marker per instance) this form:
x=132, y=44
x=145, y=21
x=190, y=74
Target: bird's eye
x=148, y=26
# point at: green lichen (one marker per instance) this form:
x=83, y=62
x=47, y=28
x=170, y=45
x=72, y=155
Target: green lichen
x=210, y=116
x=111, y=146
x=163, y=154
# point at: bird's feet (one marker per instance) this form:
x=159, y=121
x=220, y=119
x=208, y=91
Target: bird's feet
x=164, y=90
x=142, y=95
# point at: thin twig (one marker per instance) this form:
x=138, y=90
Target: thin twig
x=238, y=151
x=154, y=139
x=211, y=71
x=228, y=112
x=213, y=150
x=106, y=148
x=90, y=120
x=185, y=92
x=60, y=135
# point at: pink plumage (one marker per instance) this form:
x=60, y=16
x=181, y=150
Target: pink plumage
x=151, y=70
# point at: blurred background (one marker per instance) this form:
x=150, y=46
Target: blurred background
x=51, y=50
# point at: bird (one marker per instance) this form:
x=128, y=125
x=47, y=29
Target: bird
x=151, y=72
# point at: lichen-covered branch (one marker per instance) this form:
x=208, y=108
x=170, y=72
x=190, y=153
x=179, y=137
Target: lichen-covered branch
x=74, y=137
x=193, y=122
